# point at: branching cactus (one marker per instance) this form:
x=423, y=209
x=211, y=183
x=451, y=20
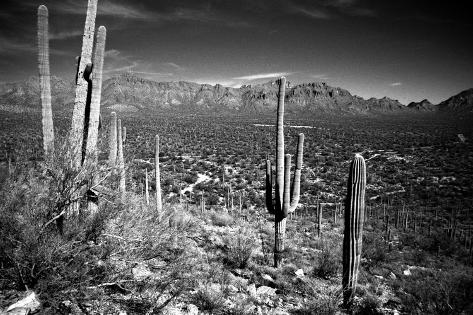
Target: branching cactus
x=352, y=239
x=112, y=157
x=285, y=200
x=45, y=81
x=82, y=86
x=159, y=203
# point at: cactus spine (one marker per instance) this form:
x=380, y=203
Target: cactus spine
x=45, y=81
x=285, y=201
x=352, y=239
x=159, y=204
x=121, y=161
x=93, y=128
x=112, y=157
x=78, y=115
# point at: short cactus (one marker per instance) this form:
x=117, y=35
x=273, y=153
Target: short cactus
x=285, y=201
x=159, y=203
x=352, y=239
x=112, y=157
x=45, y=81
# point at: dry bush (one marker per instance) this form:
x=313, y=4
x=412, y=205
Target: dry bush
x=222, y=219
x=329, y=261
x=239, y=248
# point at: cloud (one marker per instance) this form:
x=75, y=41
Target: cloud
x=105, y=8
x=10, y=47
x=174, y=65
x=319, y=76
x=396, y=84
x=65, y=35
x=312, y=13
x=262, y=76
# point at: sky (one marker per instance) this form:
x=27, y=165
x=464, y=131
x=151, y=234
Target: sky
x=407, y=50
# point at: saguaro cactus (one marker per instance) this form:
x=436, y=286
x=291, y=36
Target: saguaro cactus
x=121, y=161
x=78, y=115
x=159, y=204
x=146, y=186
x=285, y=201
x=352, y=239
x=112, y=157
x=45, y=81
x=93, y=129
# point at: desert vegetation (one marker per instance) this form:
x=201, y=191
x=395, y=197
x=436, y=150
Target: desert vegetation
x=175, y=213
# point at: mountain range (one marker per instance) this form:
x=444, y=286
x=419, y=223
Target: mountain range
x=128, y=92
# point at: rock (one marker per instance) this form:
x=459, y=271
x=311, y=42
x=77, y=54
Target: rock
x=141, y=272
x=251, y=289
x=299, y=273
x=267, y=278
x=407, y=272
x=392, y=276
x=232, y=289
x=264, y=290
x=192, y=309
x=26, y=305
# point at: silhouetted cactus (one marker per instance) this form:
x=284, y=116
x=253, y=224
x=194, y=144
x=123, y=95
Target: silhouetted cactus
x=352, y=239
x=285, y=201
x=82, y=86
x=112, y=157
x=121, y=161
x=159, y=204
x=45, y=81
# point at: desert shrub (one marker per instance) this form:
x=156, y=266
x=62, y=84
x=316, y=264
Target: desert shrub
x=222, y=219
x=369, y=305
x=328, y=262
x=239, y=248
x=374, y=249
x=321, y=303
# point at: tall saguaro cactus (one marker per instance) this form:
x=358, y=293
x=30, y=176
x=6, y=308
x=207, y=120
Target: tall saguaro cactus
x=93, y=129
x=285, y=200
x=112, y=157
x=159, y=204
x=45, y=81
x=352, y=239
x=78, y=115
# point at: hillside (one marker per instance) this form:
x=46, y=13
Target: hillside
x=127, y=92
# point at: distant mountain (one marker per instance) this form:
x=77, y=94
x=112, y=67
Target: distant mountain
x=423, y=106
x=127, y=92
x=460, y=103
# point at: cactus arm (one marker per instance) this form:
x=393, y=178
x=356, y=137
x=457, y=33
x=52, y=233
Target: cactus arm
x=279, y=186
x=296, y=183
x=45, y=81
x=287, y=183
x=94, y=118
x=77, y=130
x=352, y=240
x=269, y=188
x=112, y=157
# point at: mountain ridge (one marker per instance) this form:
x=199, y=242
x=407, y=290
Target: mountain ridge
x=128, y=92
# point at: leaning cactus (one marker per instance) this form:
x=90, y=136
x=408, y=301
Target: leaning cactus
x=82, y=86
x=93, y=128
x=112, y=157
x=352, y=239
x=45, y=81
x=159, y=204
x=285, y=201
